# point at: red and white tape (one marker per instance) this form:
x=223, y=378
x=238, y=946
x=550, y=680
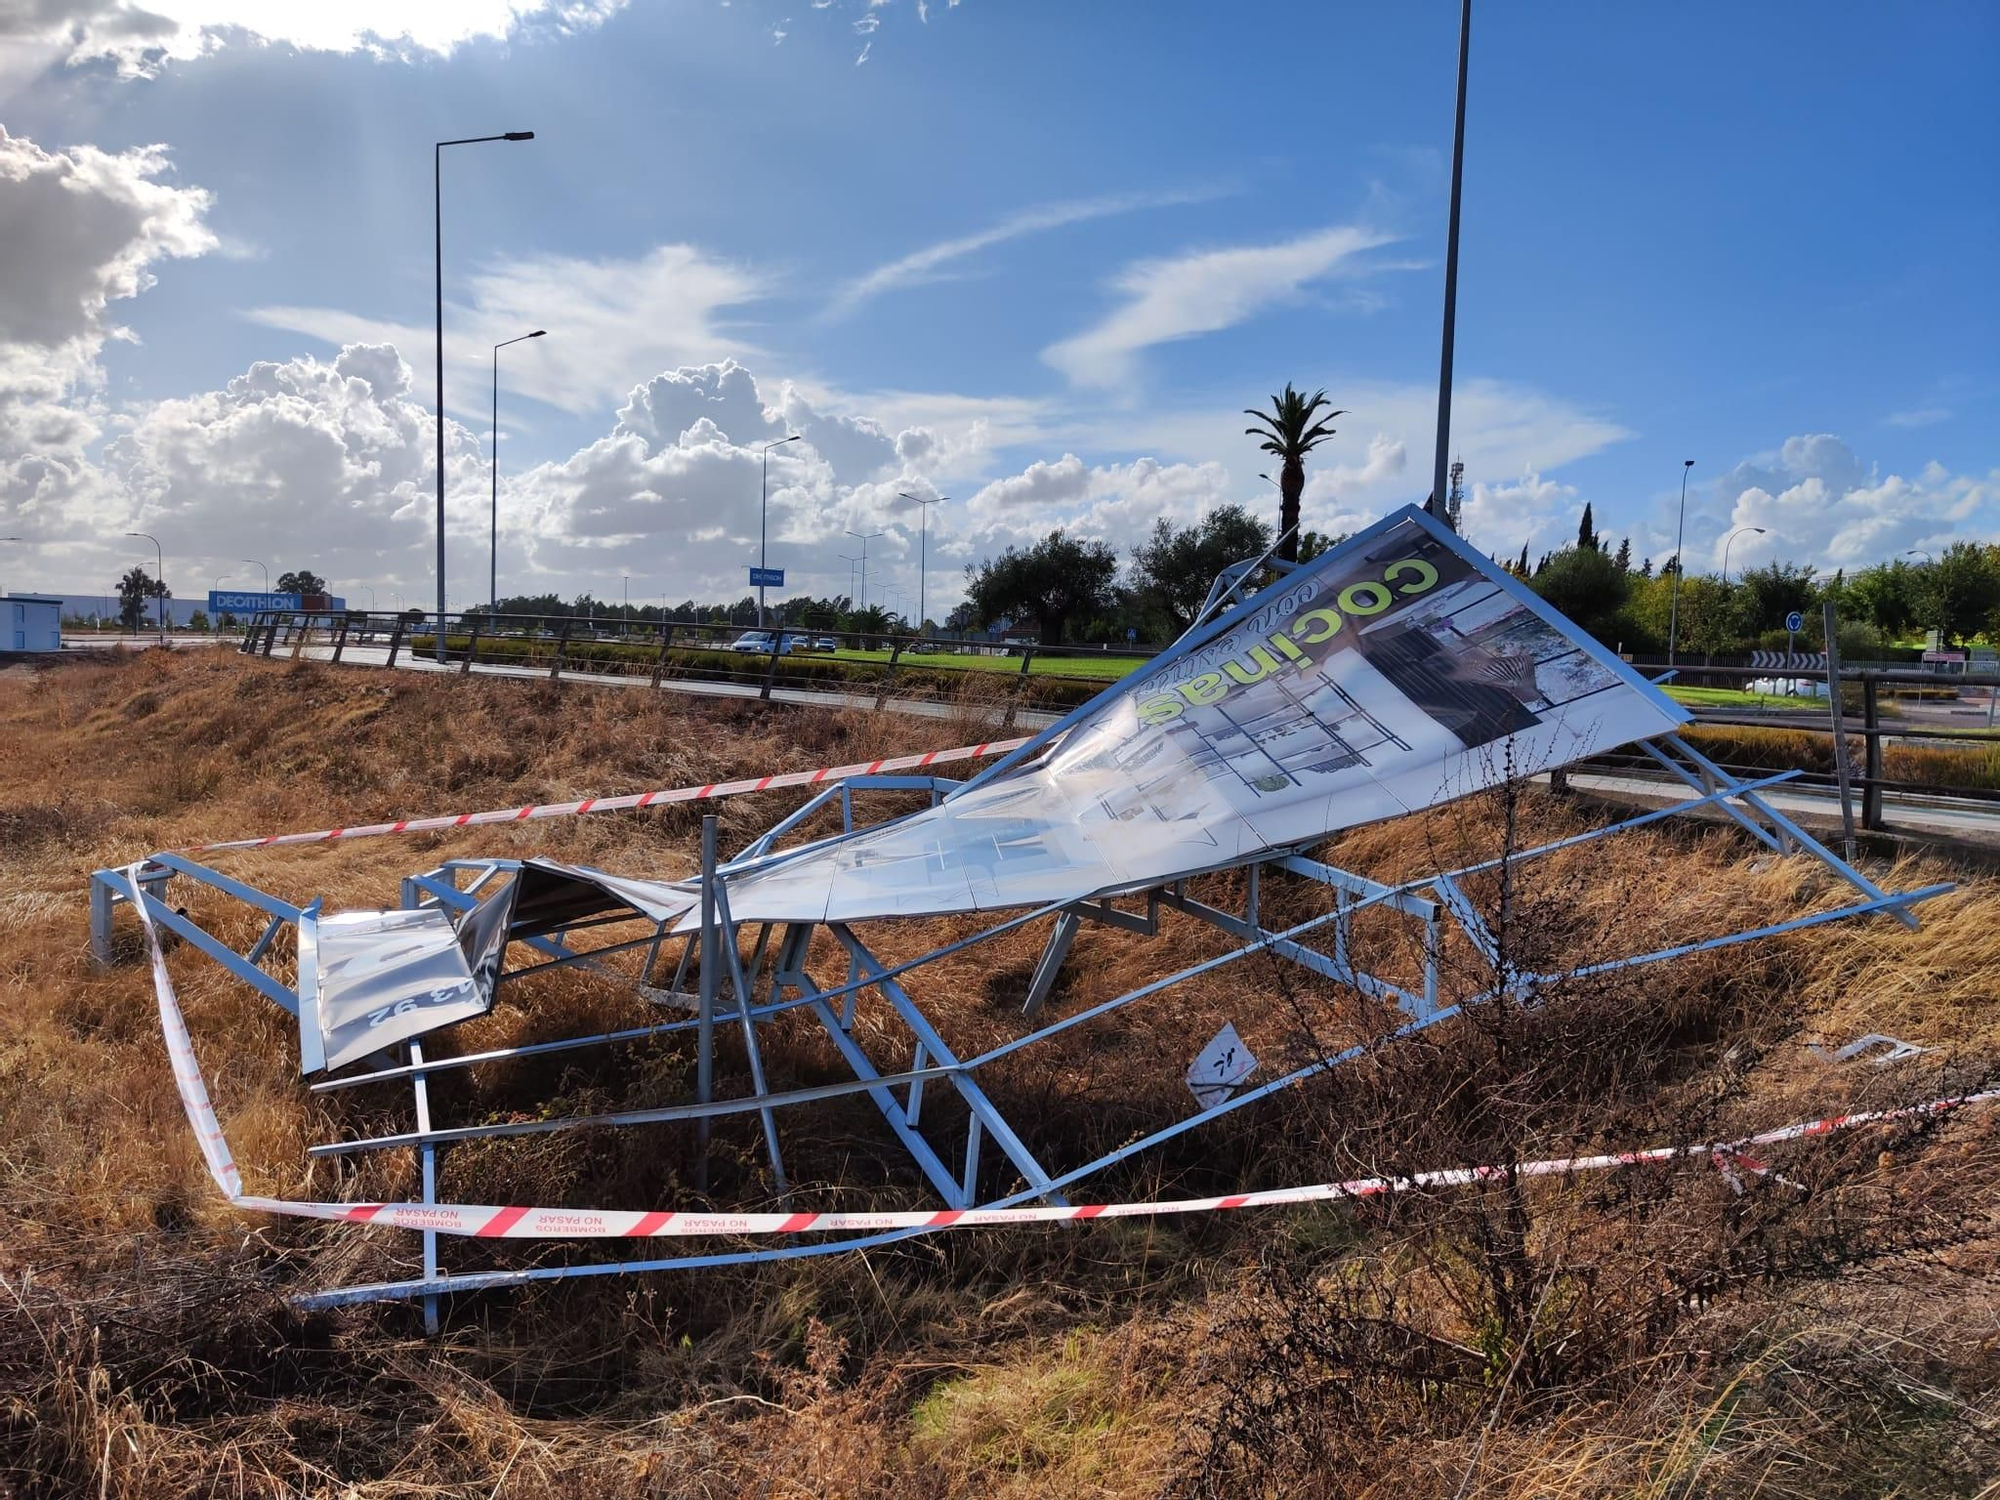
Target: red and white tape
x=488, y=1221
x=660, y=798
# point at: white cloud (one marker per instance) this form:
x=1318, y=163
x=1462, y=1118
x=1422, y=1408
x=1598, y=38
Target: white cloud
x=1203, y=293
x=1819, y=503
x=1923, y=416
x=140, y=38
x=611, y=322
x=923, y=266
x=673, y=492
x=79, y=231
x=1116, y=503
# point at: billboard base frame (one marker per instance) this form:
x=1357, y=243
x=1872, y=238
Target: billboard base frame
x=776, y=980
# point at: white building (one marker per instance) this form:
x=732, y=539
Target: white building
x=30, y=622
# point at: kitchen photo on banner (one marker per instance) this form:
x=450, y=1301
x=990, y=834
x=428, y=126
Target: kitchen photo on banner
x=1399, y=670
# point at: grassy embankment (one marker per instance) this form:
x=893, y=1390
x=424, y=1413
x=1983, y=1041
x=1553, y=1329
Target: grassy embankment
x=1826, y=1333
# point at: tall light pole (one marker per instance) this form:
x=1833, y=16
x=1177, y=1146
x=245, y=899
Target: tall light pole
x=852, y=562
x=159, y=576
x=493, y=569
x=1731, y=541
x=1680, y=566
x=866, y=538
x=923, y=550
x=763, y=512
x=371, y=596
x=1451, y=266
x=1919, y=552
x=437, y=206
x=253, y=563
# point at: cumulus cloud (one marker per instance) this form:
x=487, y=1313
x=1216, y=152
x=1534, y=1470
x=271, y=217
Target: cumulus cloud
x=1116, y=503
x=140, y=38
x=79, y=231
x=1819, y=502
x=331, y=462
x=674, y=491
x=1203, y=293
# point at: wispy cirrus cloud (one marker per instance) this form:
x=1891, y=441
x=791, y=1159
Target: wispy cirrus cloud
x=926, y=265
x=1923, y=416
x=1204, y=292
x=612, y=322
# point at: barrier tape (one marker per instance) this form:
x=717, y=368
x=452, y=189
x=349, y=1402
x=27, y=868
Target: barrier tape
x=487, y=1221
x=622, y=804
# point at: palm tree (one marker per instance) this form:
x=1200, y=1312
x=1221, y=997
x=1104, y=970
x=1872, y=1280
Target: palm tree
x=1289, y=431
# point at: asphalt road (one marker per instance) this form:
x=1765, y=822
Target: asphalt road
x=1817, y=807
x=1026, y=718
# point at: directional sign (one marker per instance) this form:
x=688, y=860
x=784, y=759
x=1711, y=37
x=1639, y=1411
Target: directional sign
x=767, y=578
x=1789, y=661
x=1795, y=622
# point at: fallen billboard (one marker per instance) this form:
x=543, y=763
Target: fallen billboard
x=1397, y=671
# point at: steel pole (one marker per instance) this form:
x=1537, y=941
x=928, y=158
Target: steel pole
x=763, y=516
x=1451, y=266
x=1680, y=566
x=437, y=267
x=493, y=560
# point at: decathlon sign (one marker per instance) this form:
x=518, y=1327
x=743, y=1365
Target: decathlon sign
x=250, y=602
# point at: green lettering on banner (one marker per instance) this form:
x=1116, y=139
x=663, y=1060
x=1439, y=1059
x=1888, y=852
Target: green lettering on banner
x=1350, y=604
x=1261, y=659
x=1416, y=565
x=1205, y=689
x=1301, y=627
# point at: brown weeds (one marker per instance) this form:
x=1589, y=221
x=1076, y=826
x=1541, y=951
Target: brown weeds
x=1652, y=1334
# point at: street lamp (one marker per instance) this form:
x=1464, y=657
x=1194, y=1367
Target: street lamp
x=160, y=576
x=437, y=206
x=865, y=540
x=371, y=596
x=493, y=572
x=1919, y=552
x=1680, y=566
x=923, y=551
x=851, y=560
x=267, y=572
x=763, y=512
x=1726, y=545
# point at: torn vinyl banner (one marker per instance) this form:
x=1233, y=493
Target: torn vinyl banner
x=1400, y=670
x=371, y=979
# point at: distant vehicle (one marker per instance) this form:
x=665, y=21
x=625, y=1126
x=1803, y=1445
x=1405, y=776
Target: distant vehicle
x=758, y=643
x=825, y=643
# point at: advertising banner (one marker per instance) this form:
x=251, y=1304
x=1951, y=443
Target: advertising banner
x=243, y=602
x=1398, y=671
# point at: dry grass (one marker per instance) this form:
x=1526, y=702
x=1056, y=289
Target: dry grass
x=1686, y=1343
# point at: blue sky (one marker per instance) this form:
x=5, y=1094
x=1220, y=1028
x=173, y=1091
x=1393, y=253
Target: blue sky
x=1032, y=256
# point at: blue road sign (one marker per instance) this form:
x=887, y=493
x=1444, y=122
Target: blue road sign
x=767, y=578
x=1131, y=633
x=1795, y=622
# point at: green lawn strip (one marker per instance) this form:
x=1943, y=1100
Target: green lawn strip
x=1100, y=668
x=1711, y=697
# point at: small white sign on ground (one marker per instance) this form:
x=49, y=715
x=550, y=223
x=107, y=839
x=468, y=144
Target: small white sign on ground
x=1223, y=1064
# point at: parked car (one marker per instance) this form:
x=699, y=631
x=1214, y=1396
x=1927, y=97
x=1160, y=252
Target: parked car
x=825, y=643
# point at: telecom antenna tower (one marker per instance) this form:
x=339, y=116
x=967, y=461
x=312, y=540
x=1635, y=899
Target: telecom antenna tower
x=1454, y=500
